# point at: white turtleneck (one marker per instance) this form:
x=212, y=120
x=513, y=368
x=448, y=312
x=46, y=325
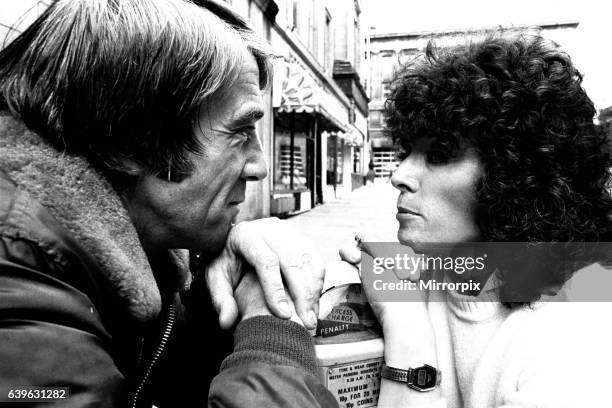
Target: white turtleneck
x=554, y=354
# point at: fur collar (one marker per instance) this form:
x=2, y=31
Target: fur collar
x=84, y=203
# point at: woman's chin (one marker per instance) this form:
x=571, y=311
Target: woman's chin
x=421, y=244
x=410, y=239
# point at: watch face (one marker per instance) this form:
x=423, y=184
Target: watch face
x=425, y=377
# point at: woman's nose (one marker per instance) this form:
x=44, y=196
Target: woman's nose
x=406, y=176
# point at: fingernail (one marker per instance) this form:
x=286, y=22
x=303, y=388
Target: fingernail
x=284, y=307
x=312, y=318
x=359, y=239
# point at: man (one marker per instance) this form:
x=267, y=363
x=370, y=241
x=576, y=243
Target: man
x=127, y=136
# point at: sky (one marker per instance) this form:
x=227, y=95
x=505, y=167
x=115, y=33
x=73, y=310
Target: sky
x=425, y=15
x=589, y=48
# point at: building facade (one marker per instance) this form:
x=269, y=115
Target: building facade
x=387, y=52
x=319, y=110
x=348, y=60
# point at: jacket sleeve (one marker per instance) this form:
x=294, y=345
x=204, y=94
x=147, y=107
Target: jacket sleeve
x=51, y=336
x=273, y=365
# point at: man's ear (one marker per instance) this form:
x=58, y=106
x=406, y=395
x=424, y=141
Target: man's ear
x=125, y=176
x=131, y=167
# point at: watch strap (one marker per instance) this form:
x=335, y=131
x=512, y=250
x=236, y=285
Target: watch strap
x=395, y=374
x=408, y=376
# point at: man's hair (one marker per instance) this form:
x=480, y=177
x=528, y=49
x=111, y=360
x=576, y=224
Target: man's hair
x=121, y=81
x=519, y=102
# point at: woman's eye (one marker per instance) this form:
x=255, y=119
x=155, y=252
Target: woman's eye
x=438, y=156
x=403, y=152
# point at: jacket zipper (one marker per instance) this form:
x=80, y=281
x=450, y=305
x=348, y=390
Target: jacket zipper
x=171, y=317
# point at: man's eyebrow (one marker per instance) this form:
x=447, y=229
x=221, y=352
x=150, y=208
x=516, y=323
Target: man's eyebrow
x=247, y=117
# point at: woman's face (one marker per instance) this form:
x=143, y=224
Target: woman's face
x=437, y=195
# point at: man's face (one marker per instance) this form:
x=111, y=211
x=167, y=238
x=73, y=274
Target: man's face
x=197, y=212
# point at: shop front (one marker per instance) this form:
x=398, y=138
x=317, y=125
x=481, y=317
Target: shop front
x=294, y=159
x=302, y=123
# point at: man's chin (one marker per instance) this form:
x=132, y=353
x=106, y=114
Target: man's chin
x=212, y=244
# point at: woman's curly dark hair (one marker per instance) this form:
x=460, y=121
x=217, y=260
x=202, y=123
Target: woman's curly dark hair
x=519, y=102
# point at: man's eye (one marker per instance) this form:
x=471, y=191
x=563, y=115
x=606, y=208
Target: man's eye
x=248, y=132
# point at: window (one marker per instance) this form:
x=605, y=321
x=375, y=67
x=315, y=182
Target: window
x=335, y=160
x=290, y=162
x=407, y=55
x=376, y=91
x=386, y=90
x=295, y=15
x=357, y=43
x=385, y=162
x=312, y=28
x=388, y=66
x=357, y=160
x=375, y=118
x=327, y=42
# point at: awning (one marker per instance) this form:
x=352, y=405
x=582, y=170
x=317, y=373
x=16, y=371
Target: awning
x=353, y=137
x=296, y=90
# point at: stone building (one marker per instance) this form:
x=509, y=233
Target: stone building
x=319, y=106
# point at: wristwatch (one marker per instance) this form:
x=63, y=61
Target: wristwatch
x=423, y=378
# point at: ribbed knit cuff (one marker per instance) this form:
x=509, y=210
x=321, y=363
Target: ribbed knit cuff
x=268, y=339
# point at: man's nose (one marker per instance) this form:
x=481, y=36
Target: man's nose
x=406, y=177
x=256, y=167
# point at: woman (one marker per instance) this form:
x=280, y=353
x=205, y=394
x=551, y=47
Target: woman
x=498, y=145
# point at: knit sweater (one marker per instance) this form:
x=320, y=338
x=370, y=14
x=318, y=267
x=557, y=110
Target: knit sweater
x=553, y=354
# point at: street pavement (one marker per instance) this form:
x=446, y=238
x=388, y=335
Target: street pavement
x=369, y=210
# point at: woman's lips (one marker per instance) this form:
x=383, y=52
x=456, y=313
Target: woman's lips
x=407, y=211
x=406, y=214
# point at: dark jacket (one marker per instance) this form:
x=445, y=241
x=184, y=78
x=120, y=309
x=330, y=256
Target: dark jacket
x=80, y=306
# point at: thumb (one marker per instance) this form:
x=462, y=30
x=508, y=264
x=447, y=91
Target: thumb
x=350, y=254
x=222, y=296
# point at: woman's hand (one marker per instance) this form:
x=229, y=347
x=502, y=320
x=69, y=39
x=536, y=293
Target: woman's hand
x=276, y=252
x=408, y=337
x=407, y=330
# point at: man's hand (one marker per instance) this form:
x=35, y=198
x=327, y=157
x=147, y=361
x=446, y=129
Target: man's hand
x=276, y=252
x=250, y=299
